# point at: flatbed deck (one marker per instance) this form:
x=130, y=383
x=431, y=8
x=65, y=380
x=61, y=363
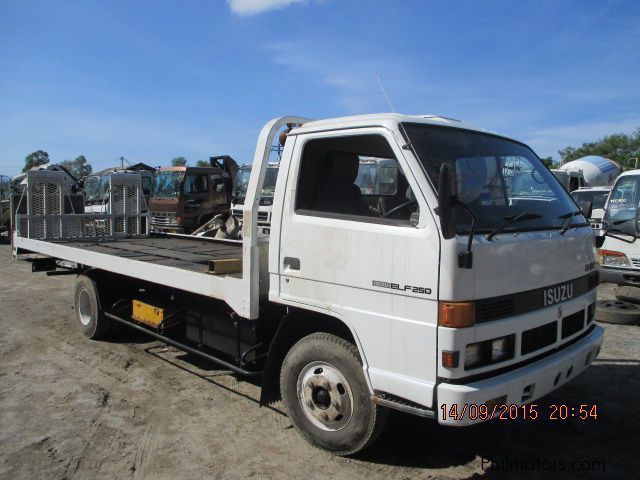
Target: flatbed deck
x=178, y=262
x=183, y=253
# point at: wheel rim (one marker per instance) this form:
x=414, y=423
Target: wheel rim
x=325, y=396
x=84, y=307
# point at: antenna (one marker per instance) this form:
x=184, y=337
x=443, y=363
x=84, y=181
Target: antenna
x=385, y=93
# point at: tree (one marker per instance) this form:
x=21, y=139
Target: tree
x=35, y=159
x=179, y=162
x=548, y=162
x=618, y=147
x=203, y=163
x=79, y=167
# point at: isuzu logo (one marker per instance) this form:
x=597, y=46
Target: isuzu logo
x=558, y=294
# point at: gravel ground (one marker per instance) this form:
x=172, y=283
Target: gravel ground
x=134, y=408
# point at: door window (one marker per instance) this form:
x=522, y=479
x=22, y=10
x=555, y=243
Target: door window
x=196, y=184
x=355, y=178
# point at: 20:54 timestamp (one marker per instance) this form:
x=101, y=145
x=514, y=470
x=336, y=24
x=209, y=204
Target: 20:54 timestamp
x=530, y=411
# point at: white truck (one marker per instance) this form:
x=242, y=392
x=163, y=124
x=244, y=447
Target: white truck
x=466, y=298
x=619, y=252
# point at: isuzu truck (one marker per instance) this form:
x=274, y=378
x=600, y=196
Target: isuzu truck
x=468, y=291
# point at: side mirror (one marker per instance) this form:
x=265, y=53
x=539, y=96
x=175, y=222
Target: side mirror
x=447, y=200
x=620, y=235
x=586, y=208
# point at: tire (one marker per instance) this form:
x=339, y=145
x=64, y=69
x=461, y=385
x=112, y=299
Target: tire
x=327, y=397
x=617, y=311
x=628, y=294
x=89, y=315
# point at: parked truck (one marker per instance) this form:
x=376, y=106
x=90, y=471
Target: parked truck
x=5, y=193
x=184, y=198
x=466, y=298
x=96, y=186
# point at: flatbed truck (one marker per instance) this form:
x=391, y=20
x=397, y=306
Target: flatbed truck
x=468, y=292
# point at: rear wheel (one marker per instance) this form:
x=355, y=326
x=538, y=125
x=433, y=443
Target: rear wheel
x=89, y=315
x=326, y=395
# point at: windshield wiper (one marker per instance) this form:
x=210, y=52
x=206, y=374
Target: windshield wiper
x=509, y=220
x=568, y=217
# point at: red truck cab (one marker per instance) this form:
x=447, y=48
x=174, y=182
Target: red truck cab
x=183, y=198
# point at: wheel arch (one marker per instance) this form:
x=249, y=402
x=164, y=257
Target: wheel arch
x=295, y=325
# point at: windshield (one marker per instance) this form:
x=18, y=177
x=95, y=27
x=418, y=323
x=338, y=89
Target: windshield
x=622, y=207
x=167, y=184
x=597, y=198
x=241, y=184
x=498, y=179
x=91, y=187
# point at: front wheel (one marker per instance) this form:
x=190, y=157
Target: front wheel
x=326, y=395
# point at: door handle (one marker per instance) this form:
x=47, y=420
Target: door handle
x=292, y=263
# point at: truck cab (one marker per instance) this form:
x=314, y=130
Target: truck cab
x=596, y=198
x=5, y=192
x=619, y=252
x=96, y=187
x=240, y=185
x=183, y=198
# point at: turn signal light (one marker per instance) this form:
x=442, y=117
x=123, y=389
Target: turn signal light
x=457, y=314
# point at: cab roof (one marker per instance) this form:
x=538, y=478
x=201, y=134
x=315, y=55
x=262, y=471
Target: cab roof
x=387, y=120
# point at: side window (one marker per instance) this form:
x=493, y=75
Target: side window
x=217, y=182
x=195, y=183
x=356, y=178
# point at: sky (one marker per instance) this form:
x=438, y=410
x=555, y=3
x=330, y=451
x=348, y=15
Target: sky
x=152, y=80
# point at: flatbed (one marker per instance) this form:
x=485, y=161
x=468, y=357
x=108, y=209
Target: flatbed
x=175, y=261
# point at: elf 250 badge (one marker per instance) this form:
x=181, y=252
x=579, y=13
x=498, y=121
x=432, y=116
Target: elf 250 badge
x=406, y=288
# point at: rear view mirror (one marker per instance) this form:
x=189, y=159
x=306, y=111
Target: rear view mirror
x=447, y=200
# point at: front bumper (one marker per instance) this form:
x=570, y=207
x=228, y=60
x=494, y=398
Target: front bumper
x=519, y=386
x=620, y=276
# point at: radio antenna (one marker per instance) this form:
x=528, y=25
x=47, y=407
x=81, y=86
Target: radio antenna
x=385, y=93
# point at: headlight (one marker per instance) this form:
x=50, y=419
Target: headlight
x=612, y=258
x=488, y=352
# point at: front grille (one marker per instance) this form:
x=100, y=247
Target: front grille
x=592, y=281
x=163, y=219
x=636, y=262
x=262, y=216
x=494, y=309
x=538, y=337
x=572, y=324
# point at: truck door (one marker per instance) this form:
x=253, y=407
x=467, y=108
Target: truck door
x=219, y=194
x=372, y=264
x=196, y=194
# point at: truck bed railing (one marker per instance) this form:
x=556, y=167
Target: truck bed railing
x=46, y=210
x=82, y=226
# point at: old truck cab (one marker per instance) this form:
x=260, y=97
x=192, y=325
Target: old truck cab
x=183, y=198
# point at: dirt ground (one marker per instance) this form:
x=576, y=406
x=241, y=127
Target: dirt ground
x=134, y=408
